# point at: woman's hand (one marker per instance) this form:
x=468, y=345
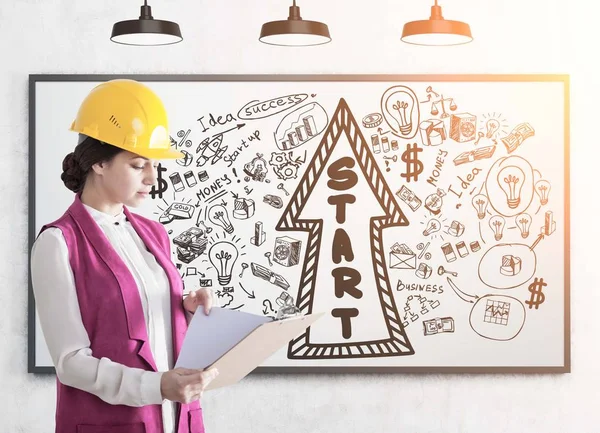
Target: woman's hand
x=185, y=385
x=199, y=297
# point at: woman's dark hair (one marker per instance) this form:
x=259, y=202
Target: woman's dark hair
x=77, y=164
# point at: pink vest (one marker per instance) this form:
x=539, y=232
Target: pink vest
x=111, y=310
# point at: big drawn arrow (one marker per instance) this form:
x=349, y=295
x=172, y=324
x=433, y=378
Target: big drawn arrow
x=397, y=342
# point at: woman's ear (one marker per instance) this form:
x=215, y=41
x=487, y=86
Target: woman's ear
x=99, y=167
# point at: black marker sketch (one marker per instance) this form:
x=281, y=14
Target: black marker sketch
x=259, y=235
x=178, y=185
x=542, y=188
x=222, y=256
x=183, y=135
x=423, y=249
x=523, y=222
x=250, y=295
x=203, y=176
x=282, y=187
x=438, y=325
x=287, y=251
x=210, y=149
x=497, y=317
x=207, y=230
x=372, y=120
x=499, y=269
x=268, y=256
x=424, y=306
x=433, y=226
x=256, y=169
x=432, y=132
x=549, y=224
x=442, y=271
x=285, y=166
x=268, y=307
x=162, y=184
x=248, y=190
x=243, y=208
x=414, y=167
x=225, y=296
x=537, y=296
x=402, y=257
x=205, y=282
x=509, y=185
x=456, y=229
x=517, y=136
x=190, y=244
x=344, y=124
x=186, y=160
x=434, y=202
x=273, y=200
x=218, y=215
x=267, y=275
x=177, y=211
x=286, y=306
x=400, y=109
x=424, y=271
x=300, y=126
x=474, y=155
x=260, y=109
x=448, y=252
x=462, y=250
x=409, y=197
x=497, y=224
x=462, y=127
x=244, y=267
x=480, y=203
x=190, y=178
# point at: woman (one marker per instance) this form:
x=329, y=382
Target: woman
x=109, y=298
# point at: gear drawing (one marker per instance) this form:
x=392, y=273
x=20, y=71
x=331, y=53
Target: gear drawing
x=287, y=171
x=278, y=159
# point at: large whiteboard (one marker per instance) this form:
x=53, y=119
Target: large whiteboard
x=427, y=216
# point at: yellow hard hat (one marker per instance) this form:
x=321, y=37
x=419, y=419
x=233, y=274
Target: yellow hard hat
x=129, y=115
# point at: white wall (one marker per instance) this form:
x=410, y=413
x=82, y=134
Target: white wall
x=512, y=36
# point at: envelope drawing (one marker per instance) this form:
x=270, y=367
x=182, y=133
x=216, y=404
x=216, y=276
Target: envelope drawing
x=403, y=260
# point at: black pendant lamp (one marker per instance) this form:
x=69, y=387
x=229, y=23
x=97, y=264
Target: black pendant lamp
x=294, y=32
x=146, y=30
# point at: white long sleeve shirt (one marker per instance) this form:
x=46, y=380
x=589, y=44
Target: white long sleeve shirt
x=66, y=337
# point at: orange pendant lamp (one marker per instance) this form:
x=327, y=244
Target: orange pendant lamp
x=436, y=31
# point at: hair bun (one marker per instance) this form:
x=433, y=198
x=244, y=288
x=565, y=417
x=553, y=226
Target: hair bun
x=72, y=173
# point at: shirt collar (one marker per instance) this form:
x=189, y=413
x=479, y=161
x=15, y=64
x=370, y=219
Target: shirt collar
x=104, y=218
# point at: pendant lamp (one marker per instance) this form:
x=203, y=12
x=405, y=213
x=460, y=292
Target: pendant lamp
x=146, y=30
x=436, y=30
x=294, y=32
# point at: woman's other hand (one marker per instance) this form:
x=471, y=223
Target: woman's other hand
x=185, y=385
x=199, y=297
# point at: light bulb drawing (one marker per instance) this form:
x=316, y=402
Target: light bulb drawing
x=400, y=108
x=542, y=188
x=523, y=222
x=218, y=216
x=432, y=226
x=480, y=203
x=497, y=225
x=492, y=126
x=223, y=255
x=510, y=179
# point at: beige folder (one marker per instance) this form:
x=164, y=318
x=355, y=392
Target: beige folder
x=257, y=346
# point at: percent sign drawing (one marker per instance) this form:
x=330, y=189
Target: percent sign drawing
x=183, y=135
x=414, y=167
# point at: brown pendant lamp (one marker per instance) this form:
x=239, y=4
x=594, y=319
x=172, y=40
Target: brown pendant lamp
x=294, y=32
x=146, y=30
x=436, y=30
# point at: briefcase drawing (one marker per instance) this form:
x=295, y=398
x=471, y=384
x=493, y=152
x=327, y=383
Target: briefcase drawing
x=402, y=257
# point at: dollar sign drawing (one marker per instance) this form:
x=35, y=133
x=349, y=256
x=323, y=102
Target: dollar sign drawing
x=414, y=167
x=162, y=184
x=537, y=297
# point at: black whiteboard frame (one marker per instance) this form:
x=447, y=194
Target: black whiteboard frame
x=563, y=78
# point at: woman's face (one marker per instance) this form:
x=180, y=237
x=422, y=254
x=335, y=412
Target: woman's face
x=127, y=178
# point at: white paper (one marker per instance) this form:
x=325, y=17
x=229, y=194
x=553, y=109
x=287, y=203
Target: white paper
x=209, y=337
